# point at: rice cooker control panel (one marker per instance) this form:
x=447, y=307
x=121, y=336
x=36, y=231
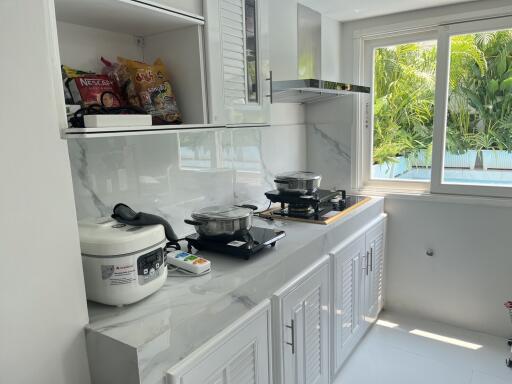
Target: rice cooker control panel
x=150, y=266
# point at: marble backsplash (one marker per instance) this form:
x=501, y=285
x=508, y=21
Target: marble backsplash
x=329, y=141
x=176, y=173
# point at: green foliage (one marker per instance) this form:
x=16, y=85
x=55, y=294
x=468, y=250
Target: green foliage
x=480, y=98
x=404, y=100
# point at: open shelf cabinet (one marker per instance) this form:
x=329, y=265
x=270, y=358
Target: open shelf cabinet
x=139, y=30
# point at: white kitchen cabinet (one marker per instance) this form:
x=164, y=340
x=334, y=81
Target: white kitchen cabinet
x=349, y=263
x=357, y=283
x=239, y=354
x=300, y=318
x=138, y=30
x=237, y=47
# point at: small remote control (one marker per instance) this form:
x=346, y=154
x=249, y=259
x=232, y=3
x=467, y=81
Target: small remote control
x=188, y=262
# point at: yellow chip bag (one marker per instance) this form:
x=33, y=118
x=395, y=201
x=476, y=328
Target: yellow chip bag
x=154, y=90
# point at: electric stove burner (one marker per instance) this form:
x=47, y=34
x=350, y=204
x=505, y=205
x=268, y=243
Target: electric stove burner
x=243, y=246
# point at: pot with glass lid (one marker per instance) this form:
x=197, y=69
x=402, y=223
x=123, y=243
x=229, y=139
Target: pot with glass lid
x=222, y=221
x=298, y=182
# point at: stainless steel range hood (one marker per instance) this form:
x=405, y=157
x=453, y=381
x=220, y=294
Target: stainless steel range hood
x=311, y=90
x=308, y=89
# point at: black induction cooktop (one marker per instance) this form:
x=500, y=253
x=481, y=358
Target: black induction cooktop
x=241, y=246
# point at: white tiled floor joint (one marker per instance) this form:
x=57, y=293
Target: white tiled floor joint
x=434, y=353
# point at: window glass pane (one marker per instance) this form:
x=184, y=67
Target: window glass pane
x=404, y=88
x=251, y=51
x=479, y=122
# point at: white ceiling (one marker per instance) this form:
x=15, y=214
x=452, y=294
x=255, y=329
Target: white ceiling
x=346, y=10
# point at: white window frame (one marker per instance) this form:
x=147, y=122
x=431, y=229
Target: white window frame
x=366, y=117
x=440, y=109
x=363, y=138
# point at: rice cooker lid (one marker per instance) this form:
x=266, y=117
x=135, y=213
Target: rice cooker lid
x=108, y=237
x=222, y=212
x=298, y=175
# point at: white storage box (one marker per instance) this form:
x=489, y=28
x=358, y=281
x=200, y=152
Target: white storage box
x=109, y=121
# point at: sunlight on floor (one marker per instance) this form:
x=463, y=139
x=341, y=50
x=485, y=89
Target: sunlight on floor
x=445, y=339
x=388, y=324
x=403, y=349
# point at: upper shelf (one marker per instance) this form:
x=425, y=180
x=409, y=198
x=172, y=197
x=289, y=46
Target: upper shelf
x=85, y=133
x=312, y=90
x=134, y=17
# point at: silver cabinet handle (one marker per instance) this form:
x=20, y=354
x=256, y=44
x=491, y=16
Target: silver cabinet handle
x=270, y=79
x=365, y=262
x=371, y=259
x=292, y=328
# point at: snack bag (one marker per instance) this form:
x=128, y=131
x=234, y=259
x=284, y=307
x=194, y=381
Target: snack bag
x=154, y=90
x=118, y=73
x=94, y=89
x=68, y=74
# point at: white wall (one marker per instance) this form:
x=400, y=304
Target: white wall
x=412, y=20
x=470, y=276
x=42, y=299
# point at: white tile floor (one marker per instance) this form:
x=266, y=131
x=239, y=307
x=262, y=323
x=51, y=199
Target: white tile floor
x=395, y=356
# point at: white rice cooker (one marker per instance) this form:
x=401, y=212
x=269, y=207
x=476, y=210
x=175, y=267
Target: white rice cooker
x=122, y=263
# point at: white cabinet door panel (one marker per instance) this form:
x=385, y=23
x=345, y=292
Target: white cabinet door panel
x=239, y=355
x=375, y=252
x=237, y=46
x=348, y=263
x=303, y=350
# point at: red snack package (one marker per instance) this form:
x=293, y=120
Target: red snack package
x=95, y=89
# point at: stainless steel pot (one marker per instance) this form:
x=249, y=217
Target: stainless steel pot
x=222, y=221
x=298, y=182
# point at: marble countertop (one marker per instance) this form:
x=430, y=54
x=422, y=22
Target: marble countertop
x=162, y=329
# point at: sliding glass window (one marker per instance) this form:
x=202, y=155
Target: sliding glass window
x=441, y=109
x=474, y=115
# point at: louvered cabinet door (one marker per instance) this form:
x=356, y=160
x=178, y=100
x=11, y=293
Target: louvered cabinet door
x=375, y=251
x=304, y=328
x=238, y=61
x=239, y=355
x=348, y=263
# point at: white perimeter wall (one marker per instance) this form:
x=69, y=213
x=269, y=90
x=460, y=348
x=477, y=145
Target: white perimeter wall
x=42, y=299
x=470, y=276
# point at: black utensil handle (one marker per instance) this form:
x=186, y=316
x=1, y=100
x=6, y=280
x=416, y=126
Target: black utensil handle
x=192, y=222
x=281, y=182
x=124, y=214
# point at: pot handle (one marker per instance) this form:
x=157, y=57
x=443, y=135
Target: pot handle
x=281, y=181
x=249, y=206
x=192, y=222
